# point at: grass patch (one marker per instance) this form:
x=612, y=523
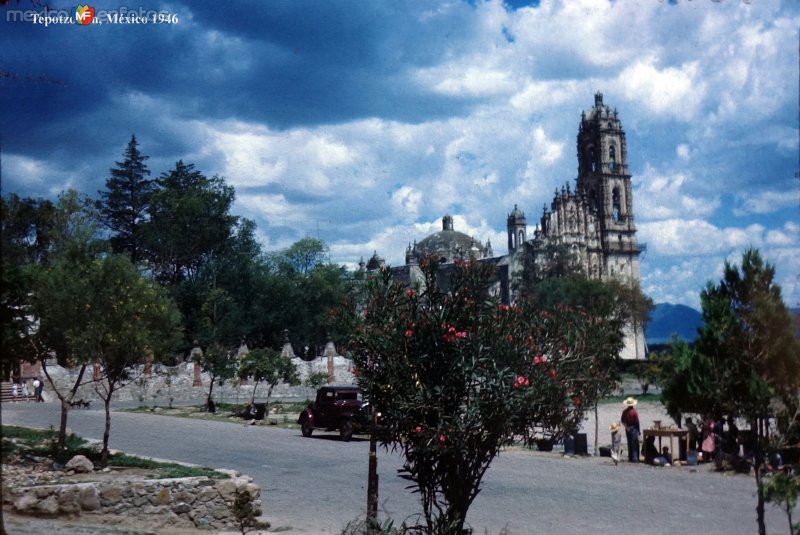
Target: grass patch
x=26, y=441
x=165, y=470
x=282, y=414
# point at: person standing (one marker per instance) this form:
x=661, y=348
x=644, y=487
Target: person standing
x=25, y=389
x=38, y=386
x=630, y=420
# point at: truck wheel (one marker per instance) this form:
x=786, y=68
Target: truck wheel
x=307, y=427
x=346, y=430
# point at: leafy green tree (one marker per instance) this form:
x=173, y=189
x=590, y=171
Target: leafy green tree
x=54, y=289
x=303, y=255
x=27, y=232
x=303, y=290
x=124, y=318
x=125, y=202
x=457, y=376
x=265, y=365
x=746, y=361
x=190, y=222
x=611, y=305
x=783, y=490
x=220, y=364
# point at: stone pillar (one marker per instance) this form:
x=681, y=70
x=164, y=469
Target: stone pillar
x=330, y=352
x=241, y=353
x=196, y=354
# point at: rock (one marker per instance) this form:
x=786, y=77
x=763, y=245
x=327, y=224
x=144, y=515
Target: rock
x=162, y=498
x=68, y=500
x=49, y=505
x=80, y=464
x=111, y=495
x=227, y=489
x=181, y=508
x=88, y=498
x=25, y=503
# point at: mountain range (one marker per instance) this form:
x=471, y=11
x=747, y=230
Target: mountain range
x=667, y=319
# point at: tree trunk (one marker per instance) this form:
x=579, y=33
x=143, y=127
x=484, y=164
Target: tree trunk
x=253, y=399
x=210, y=389
x=107, y=430
x=762, y=528
x=596, y=428
x=269, y=395
x=65, y=406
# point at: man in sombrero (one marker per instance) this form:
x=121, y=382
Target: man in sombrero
x=630, y=420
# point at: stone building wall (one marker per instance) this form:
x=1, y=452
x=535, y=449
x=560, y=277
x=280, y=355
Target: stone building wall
x=194, y=502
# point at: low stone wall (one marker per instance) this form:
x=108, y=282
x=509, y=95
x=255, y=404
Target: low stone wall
x=194, y=502
x=175, y=385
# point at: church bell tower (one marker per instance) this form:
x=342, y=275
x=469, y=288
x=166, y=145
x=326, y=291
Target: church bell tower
x=604, y=180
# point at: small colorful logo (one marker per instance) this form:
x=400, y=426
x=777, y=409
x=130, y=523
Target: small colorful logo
x=84, y=14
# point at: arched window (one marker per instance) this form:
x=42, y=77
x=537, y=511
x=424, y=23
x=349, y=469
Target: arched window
x=612, y=157
x=616, y=210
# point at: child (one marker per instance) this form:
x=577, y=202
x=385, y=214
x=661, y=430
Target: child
x=616, y=442
x=14, y=392
x=25, y=390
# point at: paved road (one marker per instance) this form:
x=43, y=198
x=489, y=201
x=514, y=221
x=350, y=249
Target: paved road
x=317, y=485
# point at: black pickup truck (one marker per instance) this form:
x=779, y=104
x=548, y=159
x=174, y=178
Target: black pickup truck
x=336, y=407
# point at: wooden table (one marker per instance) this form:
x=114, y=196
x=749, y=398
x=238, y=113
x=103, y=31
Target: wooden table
x=680, y=434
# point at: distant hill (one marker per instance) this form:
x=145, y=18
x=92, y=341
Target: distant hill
x=667, y=319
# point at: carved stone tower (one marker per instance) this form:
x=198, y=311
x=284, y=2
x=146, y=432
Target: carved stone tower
x=604, y=180
x=516, y=227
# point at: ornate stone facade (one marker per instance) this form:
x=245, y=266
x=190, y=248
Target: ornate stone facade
x=594, y=222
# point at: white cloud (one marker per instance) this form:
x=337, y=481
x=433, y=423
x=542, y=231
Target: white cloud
x=547, y=151
x=674, y=91
x=664, y=196
x=464, y=80
x=682, y=151
x=697, y=237
x=406, y=202
x=764, y=202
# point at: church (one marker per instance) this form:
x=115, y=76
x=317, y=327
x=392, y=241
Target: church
x=594, y=222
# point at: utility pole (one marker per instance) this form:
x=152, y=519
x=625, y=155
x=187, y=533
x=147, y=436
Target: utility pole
x=372, y=478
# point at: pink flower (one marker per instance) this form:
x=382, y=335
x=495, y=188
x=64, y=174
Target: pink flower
x=502, y=306
x=576, y=401
x=409, y=333
x=442, y=439
x=461, y=334
x=410, y=293
x=418, y=429
x=537, y=359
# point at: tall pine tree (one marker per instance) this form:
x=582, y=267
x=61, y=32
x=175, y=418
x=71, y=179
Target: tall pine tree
x=124, y=204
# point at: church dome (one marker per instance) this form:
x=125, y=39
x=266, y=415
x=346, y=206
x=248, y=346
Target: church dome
x=448, y=245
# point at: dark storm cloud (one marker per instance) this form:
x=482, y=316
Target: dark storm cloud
x=283, y=64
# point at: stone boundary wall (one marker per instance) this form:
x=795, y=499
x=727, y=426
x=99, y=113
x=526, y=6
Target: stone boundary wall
x=194, y=502
x=176, y=382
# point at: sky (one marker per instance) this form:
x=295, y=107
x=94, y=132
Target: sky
x=363, y=123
